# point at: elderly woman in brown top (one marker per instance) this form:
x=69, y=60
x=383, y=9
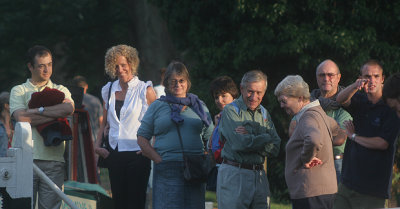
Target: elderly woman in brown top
x=309, y=170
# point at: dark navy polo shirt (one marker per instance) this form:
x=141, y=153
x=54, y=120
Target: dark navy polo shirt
x=369, y=171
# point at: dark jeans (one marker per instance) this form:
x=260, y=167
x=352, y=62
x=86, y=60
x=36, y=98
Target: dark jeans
x=171, y=191
x=129, y=174
x=212, y=180
x=338, y=168
x=317, y=202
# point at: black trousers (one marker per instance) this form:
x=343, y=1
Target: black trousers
x=129, y=175
x=317, y=202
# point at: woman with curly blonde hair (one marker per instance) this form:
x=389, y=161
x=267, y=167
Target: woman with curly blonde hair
x=126, y=100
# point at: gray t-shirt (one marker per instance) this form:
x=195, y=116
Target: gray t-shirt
x=95, y=109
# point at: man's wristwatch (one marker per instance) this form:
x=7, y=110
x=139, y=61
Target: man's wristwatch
x=353, y=137
x=41, y=110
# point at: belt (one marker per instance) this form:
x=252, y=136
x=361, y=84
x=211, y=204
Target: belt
x=244, y=165
x=338, y=157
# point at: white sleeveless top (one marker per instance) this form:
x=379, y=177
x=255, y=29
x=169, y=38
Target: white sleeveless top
x=123, y=131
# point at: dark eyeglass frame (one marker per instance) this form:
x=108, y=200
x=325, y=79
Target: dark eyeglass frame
x=174, y=82
x=330, y=75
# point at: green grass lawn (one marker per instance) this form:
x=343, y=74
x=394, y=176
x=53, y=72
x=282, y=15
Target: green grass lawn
x=275, y=205
x=211, y=197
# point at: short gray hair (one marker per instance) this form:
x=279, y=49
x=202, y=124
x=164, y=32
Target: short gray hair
x=293, y=86
x=254, y=76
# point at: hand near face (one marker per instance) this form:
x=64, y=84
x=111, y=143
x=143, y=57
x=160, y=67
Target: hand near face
x=362, y=84
x=241, y=130
x=314, y=162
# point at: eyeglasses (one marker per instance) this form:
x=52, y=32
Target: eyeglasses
x=174, y=82
x=330, y=75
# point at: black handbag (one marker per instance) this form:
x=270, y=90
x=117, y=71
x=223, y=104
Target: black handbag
x=101, y=162
x=195, y=166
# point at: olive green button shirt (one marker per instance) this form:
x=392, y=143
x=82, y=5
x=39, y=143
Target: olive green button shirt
x=261, y=140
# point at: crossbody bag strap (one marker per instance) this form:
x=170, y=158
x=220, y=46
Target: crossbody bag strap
x=109, y=94
x=107, y=144
x=180, y=138
x=179, y=134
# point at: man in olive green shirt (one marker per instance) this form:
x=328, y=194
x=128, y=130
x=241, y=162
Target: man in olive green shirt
x=250, y=136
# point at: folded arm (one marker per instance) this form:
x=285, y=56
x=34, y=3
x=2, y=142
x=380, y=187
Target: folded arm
x=50, y=113
x=242, y=142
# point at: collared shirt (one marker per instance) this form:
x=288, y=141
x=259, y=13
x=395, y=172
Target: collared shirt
x=365, y=170
x=306, y=107
x=261, y=140
x=123, y=131
x=19, y=98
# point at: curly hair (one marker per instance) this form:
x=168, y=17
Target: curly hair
x=112, y=54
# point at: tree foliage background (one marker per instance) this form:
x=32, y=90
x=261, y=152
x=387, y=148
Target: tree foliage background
x=78, y=32
x=282, y=37
x=224, y=37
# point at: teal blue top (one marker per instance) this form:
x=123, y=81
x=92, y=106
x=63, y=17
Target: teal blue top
x=157, y=122
x=340, y=115
x=261, y=140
